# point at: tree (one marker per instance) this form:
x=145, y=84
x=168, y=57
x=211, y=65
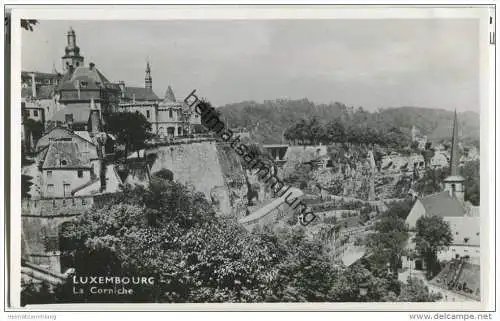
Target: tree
x=28, y=24
x=164, y=174
x=388, y=242
x=433, y=235
x=430, y=182
x=471, y=174
x=357, y=284
x=414, y=290
x=33, y=130
x=26, y=185
x=131, y=129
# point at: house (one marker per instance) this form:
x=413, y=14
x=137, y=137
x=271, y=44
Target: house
x=440, y=159
x=63, y=168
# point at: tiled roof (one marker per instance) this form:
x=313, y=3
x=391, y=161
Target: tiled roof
x=140, y=94
x=442, y=204
x=80, y=112
x=64, y=154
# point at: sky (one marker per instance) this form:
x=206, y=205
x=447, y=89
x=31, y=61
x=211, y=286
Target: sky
x=377, y=63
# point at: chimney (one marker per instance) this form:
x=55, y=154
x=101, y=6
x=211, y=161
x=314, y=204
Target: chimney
x=33, y=85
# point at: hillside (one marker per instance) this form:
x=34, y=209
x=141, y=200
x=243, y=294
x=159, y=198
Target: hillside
x=268, y=120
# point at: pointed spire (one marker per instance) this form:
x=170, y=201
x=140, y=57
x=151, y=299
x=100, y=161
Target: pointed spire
x=148, y=80
x=169, y=95
x=454, y=148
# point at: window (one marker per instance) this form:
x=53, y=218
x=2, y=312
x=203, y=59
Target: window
x=170, y=113
x=49, y=174
x=98, y=83
x=147, y=114
x=80, y=173
x=64, y=162
x=68, y=118
x=50, y=189
x=83, y=84
x=66, y=188
x=84, y=202
x=35, y=113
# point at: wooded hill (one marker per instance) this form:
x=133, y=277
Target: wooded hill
x=267, y=121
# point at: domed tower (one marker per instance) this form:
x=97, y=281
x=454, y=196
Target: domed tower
x=72, y=58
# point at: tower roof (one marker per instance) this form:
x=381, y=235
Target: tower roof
x=169, y=95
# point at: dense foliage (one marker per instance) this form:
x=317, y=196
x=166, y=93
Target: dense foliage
x=416, y=291
x=388, y=241
x=268, y=120
x=170, y=232
x=33, y=131
x=344, y=131
x=471, y=172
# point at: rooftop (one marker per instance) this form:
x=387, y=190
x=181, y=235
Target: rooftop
x=442, y=204
x=140, y=94
x=63, y=154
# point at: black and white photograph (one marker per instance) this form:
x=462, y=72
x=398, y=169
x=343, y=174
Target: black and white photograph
x=256, y=160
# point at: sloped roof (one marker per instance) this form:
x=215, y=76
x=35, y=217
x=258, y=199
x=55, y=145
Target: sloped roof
x=80, y=112
x=67, y=151
x=84, y=134
x=67, y=133
x=91, y=75
x=141, y=94
x=442, y=204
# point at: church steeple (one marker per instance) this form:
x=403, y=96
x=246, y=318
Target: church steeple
x=454, y=159
x=148, y=80
x=454, y=183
